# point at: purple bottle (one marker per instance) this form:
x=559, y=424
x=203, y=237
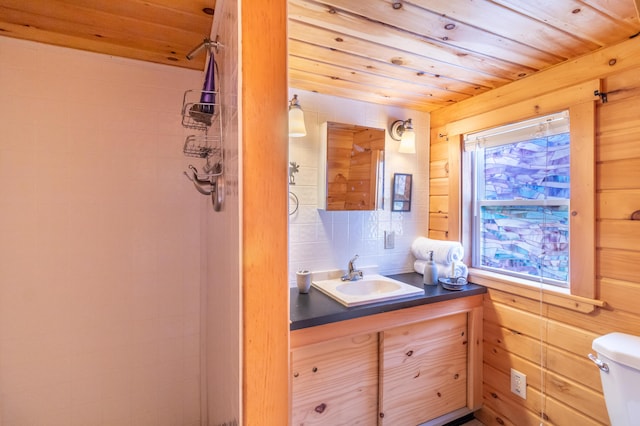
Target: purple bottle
x=203, y=111
x=209, y=86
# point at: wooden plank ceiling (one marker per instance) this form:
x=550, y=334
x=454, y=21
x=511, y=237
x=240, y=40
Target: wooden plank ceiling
x=419, y=54
x=426, y=54
x=161, y=31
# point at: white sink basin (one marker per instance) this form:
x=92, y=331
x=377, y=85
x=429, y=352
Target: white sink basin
x=370, y=289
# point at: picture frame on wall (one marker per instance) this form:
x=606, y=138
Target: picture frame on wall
x=401, y=192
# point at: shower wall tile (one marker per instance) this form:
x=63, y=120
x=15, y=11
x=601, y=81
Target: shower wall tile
x=100, y=260
x=343, y=234
x=221, y=260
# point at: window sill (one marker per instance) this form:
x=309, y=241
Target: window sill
x=548, y=294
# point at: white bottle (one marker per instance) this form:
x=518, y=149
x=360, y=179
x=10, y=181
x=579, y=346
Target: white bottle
x=430, y=275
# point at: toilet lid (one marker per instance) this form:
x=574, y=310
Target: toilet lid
x=619, y=347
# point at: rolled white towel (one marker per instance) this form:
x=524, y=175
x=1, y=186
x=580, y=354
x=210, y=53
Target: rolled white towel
x=444, y=252
x=460, y=269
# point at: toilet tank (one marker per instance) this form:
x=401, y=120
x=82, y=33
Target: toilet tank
x=621, y=384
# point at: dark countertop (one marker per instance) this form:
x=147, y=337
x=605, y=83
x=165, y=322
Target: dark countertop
x=316, y=308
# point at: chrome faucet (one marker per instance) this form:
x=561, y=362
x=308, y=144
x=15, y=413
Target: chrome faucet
x=353, y=274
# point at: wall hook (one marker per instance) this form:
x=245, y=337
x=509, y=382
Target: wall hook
x=293, y=169
x=208, y=184
x=295, y=201
x=198, y=184
x=603, y=96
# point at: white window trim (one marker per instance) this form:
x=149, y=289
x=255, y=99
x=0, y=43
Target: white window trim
x=580, y=99
x=507, y=134
x=582, y=278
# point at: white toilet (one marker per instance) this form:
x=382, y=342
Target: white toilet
x=619, y=362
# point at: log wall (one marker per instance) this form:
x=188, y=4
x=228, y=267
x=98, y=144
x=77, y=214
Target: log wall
x=546, y=342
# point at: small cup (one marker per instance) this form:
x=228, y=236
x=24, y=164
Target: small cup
x=303, y=279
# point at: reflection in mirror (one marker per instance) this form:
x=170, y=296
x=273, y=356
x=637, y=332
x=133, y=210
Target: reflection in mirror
x=401, y=196
x=351, y=170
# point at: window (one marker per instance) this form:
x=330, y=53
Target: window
x=520, y=198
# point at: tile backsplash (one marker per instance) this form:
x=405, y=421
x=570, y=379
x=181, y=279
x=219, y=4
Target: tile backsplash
x=322, y=240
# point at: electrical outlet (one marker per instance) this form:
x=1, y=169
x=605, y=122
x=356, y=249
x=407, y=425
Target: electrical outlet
x=389, y=239
x=519, y=383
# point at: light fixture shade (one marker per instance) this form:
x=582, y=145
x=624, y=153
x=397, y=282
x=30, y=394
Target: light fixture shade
x=403, y=131
x=408, y=142
x=296, y=119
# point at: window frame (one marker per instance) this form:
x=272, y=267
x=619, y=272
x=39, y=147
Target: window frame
x=475, y=173
x=580, y=101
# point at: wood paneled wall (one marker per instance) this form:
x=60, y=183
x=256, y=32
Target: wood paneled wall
x=265, y=301
x=549, y=343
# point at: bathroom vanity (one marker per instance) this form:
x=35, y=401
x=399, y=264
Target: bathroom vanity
x=407, y=361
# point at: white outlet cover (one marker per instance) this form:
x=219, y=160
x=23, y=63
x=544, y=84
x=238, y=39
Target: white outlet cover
x=519, y=383
x=389, y=239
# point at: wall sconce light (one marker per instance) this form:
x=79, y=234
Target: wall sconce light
x=403, y=131
x=296, y=119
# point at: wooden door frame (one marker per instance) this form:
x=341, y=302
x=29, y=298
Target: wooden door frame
x=263, y=158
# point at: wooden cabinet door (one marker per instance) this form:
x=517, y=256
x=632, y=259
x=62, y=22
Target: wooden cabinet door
x=336, y=382
x=423, y=370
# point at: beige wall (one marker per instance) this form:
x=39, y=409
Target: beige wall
x=100, y=242
x=521, y=332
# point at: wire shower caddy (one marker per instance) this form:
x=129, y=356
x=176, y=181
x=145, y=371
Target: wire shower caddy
x=201, y=113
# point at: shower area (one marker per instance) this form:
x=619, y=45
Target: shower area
x=119, y=283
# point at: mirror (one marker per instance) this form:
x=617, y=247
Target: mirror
x=351, y=169
x=401, y=194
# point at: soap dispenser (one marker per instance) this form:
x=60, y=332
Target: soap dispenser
x=430, y=275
